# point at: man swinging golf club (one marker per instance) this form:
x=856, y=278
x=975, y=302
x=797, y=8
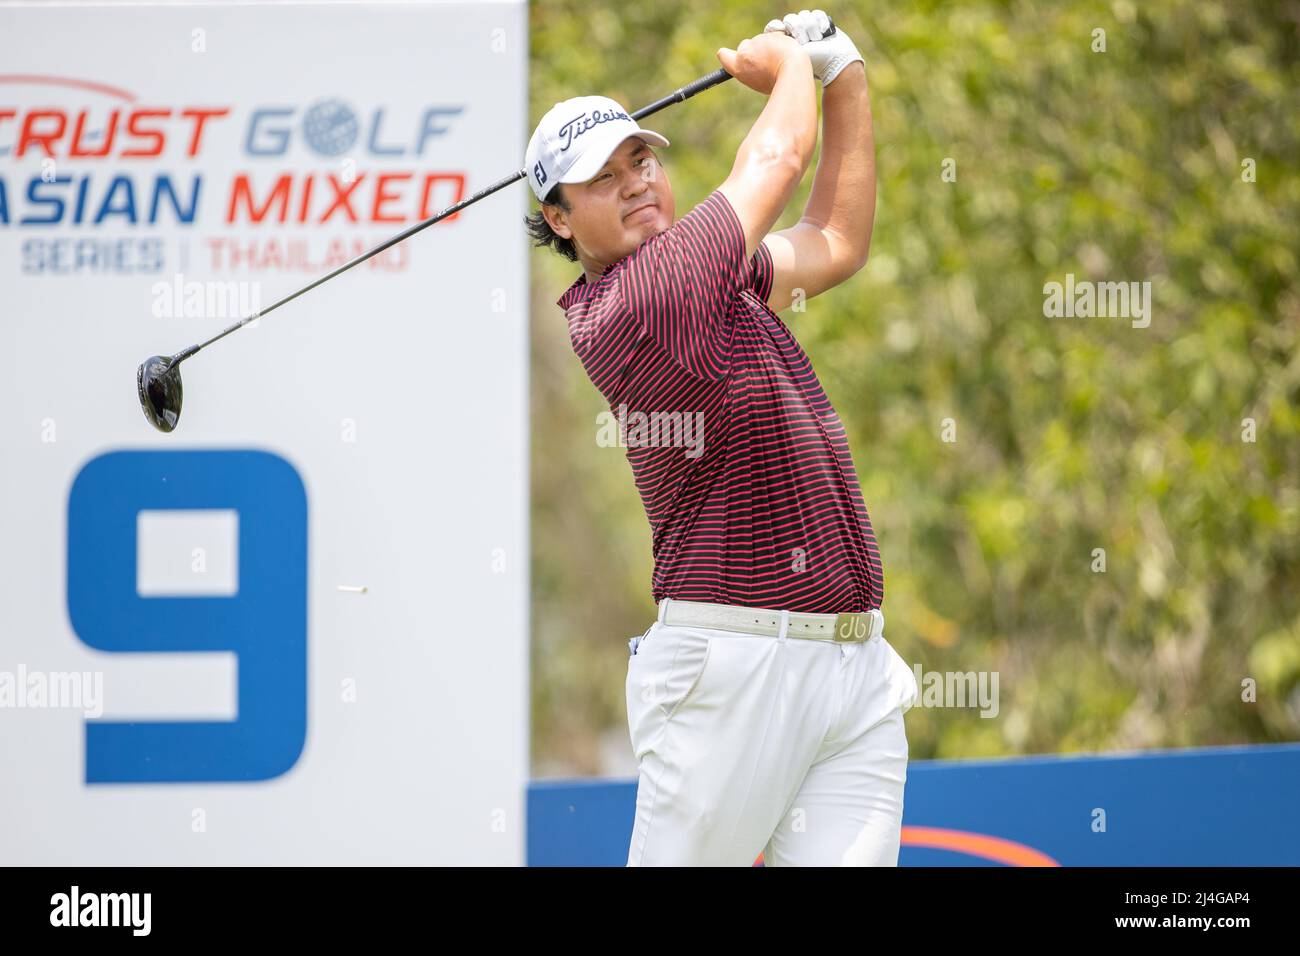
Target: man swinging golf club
x=765, y=708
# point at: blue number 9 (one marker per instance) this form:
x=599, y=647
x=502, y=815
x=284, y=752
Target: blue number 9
x=264, y=624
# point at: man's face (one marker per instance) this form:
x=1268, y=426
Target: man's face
x=605, y=219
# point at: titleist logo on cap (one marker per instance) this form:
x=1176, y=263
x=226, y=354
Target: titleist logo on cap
x=570, y=131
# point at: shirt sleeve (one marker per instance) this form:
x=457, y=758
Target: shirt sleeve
x=681, y=285
x=761, y=272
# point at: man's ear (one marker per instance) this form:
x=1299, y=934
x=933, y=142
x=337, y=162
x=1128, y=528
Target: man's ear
x=558, y=221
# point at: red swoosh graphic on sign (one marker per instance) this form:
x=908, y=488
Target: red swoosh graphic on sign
x=979, y=845
x=67, y=81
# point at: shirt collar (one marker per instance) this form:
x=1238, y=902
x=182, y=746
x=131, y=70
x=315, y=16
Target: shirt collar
x=581, y=290
x=574, y=293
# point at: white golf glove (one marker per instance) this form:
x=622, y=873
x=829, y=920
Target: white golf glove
x=828, y=56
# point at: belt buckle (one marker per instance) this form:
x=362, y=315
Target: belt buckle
x=851, y=628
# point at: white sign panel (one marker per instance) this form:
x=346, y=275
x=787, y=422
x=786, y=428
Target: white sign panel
x=294, y=629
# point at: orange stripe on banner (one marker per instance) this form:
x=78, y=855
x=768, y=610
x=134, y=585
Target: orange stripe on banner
x=973, y=844
x=66, y=81
x=977, y=844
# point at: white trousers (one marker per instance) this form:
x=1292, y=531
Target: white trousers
x=787, y=746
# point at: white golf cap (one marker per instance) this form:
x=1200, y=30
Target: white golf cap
x=575, y=138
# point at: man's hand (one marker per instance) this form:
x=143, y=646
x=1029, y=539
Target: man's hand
x=829, y=55
x=758, y=60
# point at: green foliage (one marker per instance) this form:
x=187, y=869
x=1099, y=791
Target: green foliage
x=1072, y=434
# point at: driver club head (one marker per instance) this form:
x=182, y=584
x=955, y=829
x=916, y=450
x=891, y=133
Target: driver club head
x=159, y=383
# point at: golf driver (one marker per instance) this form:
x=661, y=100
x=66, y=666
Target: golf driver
x=158, y=379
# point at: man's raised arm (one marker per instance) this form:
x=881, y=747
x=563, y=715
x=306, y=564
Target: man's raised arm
x=775, y=154
x=831, y=240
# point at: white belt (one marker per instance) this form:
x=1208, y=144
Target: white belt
x=843, y=628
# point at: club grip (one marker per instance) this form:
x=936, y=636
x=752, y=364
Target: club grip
x=696, y=86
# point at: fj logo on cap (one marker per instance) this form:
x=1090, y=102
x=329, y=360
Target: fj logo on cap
x=539, y=174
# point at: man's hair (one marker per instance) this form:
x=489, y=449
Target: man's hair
x=540, y=231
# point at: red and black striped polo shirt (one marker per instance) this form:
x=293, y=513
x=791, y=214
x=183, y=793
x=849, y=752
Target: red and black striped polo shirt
x=741, y=461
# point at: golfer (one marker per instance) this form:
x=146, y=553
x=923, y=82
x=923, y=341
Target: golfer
x=765, y=708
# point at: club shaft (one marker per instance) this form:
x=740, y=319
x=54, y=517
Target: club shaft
x=677, y=96
x=387, y=243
